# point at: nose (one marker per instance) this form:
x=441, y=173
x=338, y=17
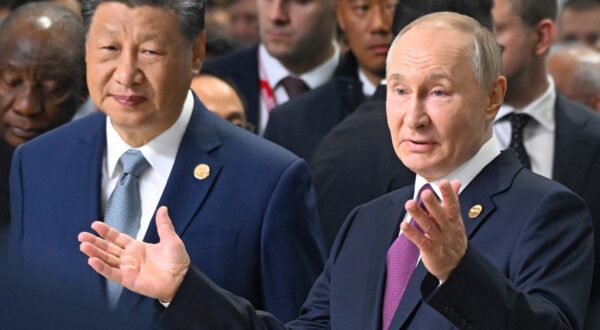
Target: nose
x=127, y=72
x=29, y=101
x=278, y=11
x=416, y=116
x=381, y=19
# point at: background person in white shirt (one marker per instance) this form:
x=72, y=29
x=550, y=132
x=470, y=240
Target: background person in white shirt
x=561, y=138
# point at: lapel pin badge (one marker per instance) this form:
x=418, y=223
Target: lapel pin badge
x=201, y=171
x=475, y=211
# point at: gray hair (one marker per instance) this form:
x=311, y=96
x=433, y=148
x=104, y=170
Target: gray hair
x=190, y=13
x=486, y=58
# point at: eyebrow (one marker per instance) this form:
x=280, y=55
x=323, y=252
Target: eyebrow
x=429, y=77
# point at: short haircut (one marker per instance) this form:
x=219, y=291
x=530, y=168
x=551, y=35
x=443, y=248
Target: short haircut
x=485, y=54
x=67, y=35
x=190, y=13
x=581, y=4
x=409, y=10
x=586, y=60
x=533, y=11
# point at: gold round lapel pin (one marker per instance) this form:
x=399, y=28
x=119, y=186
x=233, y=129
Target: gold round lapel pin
x=201, y=171
x=475, y=211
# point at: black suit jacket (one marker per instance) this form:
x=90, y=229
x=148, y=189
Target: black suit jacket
x=242, y=69
x=526, y=267
x=356, y=163
x=577, y=166
x=5, y=157
x=300, y=124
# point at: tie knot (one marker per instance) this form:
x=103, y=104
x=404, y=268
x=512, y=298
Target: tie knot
x=294, y=86
x=133, y=162
x=518, y=120
x=425, y=187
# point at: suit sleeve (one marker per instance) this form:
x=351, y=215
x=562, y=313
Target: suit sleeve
x=549, y=275
x=201, y=304
x=291, y=243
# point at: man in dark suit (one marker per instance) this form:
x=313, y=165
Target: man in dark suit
x=297, y=53
x=355, y=162
x=504, y=248
x=558, y=138
x=300, y=124
x=245, y=206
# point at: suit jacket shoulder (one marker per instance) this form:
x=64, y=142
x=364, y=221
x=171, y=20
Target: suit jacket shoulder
x=242, y=68
x=300, y=124
x=354, y=164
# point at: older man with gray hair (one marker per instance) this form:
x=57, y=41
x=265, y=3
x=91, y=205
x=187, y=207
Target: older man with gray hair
x=477, y=242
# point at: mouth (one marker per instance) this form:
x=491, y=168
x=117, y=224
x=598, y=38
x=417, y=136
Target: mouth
x=277, y=35
x=419, y=145
x=129, y=100
x=380, y=49
x=26, y=134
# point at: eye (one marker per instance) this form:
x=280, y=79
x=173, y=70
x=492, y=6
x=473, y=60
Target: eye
x=149, y=52
x=109, y=49
x=438, y=93
x=12, y=81
x=360, y=8
x=399, y=91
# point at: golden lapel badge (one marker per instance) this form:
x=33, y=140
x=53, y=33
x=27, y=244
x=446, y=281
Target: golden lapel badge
x=475, y=211
x=201, y=171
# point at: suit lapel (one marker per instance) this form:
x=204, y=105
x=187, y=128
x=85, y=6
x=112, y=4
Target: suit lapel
x=570, y=147
x=373, y=304
x=184, y=194
x=90, y=153
x=493, y=179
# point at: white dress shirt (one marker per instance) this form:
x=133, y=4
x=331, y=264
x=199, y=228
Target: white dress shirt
x=274, y=72
x=464, y=173
x=368, y=88
x=160, y=154
x=538, y=134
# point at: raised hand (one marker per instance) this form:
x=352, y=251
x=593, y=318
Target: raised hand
x=443, y=241
x=152, y=270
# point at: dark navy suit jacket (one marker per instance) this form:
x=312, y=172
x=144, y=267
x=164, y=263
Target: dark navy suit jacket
x=527, y=266
x=356, y=162
x=242, y=69
x=251, y=225
x=300, y=124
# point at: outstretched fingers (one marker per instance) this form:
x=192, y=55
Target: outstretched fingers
x=451, y=203
x=111, y=235
x=112, y=273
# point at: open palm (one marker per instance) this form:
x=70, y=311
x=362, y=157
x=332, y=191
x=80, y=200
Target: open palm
x=152, y=270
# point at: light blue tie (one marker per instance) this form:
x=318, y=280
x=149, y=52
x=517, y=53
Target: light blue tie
x=123, y=209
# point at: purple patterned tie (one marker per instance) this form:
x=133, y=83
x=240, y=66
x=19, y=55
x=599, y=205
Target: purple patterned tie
x=402, y=258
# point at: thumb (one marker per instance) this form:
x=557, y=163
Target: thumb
x=164, y=225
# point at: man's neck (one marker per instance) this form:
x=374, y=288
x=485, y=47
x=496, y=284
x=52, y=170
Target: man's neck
x=526, y=87
x=374, y=78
